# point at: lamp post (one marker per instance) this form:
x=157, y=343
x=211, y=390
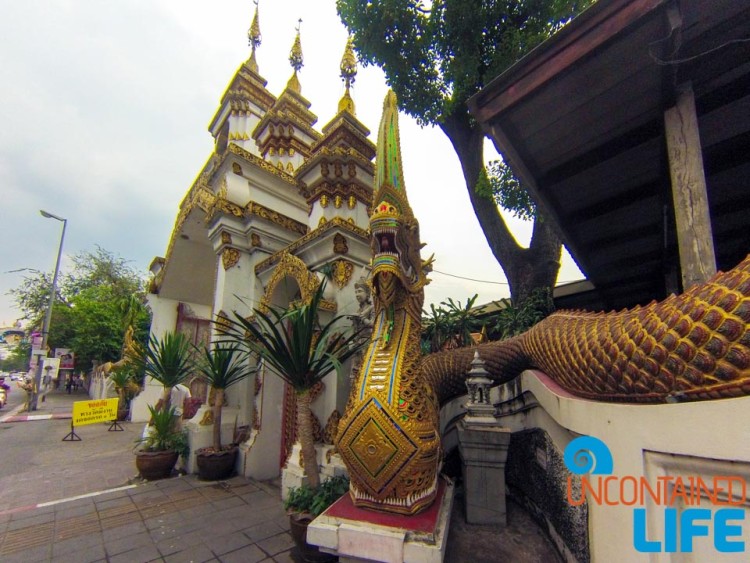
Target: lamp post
x=48, y=316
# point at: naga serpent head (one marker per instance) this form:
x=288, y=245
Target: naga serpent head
x=396, y=261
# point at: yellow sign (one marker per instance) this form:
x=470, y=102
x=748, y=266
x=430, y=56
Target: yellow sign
x=90, y=412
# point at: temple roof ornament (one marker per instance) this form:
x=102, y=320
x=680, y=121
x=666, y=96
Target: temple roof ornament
x=254, y=39
x=348, y=68
x=297, y=60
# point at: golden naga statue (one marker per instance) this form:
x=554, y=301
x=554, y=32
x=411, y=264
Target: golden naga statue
x=695, y=346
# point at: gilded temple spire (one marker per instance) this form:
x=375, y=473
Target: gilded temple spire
x=348, y=68
x=254, y=38
x=389, y=175
x=296, y=59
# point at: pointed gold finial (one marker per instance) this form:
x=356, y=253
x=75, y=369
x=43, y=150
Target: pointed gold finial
x=348, y=68
x=295, y=56
x=254, y=38
x=297, y=61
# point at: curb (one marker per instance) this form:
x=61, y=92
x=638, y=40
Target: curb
x=32, y=417
x=62, y=500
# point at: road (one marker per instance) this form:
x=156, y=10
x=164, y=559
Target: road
x=37, y=466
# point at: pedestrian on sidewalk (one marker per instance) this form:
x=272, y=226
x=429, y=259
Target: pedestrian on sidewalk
x=28, y=386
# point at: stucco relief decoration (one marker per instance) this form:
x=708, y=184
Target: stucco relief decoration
x=258, y=210
x=230, y=257
x=342, y=272
x=226, y=238
x=324, y=201
x=340, y=245
x=290, y=266
x=352, y=202
x=222, y=322
x=255, y=241
x=236, y=168
x=337, y=201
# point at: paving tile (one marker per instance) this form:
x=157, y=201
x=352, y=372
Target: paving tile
x=198, y=554
x=140, y=554
x=123, y=531
x=224, y=544
x=30, y=521
x=230, y=502
x=84, y=555
x=31, y=555
x=276, y=544
x=286, y=557
x=261, y=499
x=263, y=531
x=72, y=511
x=103, y=503
x=121, y=545
x=63, y=547
x=249, y=554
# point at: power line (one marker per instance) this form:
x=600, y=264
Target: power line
x=484, y=281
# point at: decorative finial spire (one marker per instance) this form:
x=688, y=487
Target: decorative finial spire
x=389, y=173
x=254, y=37
x=295, y=56
x=348, y=73
x=297, y=61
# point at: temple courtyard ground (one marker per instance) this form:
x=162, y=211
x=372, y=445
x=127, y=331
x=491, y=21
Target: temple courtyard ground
x=81, y=502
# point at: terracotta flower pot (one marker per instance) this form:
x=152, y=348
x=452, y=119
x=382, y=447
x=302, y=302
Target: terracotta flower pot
x=215, y=466
x=155, y=465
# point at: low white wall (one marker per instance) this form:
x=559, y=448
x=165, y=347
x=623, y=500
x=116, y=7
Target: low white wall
x=705, y=438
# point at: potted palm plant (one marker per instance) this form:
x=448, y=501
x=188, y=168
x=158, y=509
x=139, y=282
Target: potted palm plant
x=168, y=361
x=221, y=366
x=295, y=346
x=122, y=379
x=162, y=445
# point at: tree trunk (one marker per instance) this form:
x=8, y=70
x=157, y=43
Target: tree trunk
x=218, y=403
x=306, y=439
x=525, y=268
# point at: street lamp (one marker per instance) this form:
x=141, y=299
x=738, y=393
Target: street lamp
x=48, y=316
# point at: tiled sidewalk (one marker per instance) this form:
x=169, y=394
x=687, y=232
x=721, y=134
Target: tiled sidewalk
x=180, y=519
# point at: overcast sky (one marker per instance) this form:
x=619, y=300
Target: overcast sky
x=105, y=107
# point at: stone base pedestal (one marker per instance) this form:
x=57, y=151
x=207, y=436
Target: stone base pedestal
x=356, y=534
x=484, y=450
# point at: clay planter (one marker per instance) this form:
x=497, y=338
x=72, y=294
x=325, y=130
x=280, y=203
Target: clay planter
x=215, y=466
x=311, y=553
x=156, y=465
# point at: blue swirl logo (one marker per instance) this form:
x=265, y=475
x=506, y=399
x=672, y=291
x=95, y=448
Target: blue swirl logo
x=587, y=454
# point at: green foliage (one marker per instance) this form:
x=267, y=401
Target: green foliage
x=163, y=433
x=316, y=500
x=167, y=360
x=18, y=359
x=507, y=192
x=94, y=304
x=125, y=381
x=293, y=343
x=513, y=320
x=449, y=326
x=436, y=58
x=223, y=365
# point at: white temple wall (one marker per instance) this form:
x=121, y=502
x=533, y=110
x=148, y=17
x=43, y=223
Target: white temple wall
x=704, y=438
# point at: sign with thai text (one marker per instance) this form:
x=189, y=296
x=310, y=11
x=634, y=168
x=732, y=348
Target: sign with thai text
x=90, y=412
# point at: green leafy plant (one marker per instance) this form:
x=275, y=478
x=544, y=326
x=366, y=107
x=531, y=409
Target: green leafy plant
x=167, y=360
x=296, y=347
x=513, y=320
x=307, y=499
x=163, y=433
x=222, y=366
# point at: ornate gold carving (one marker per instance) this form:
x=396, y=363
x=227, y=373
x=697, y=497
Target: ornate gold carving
x=342, y=272
x=280, y=165
x=289, y=167
x=291, y=151
x=337, y=201
x=322, y=221
x=289, y=224
x=229, y=257
x=236, y=168
x=352, y=202
x=222, y=322
x=340, y=245
x=255, y=240
x=290, y=266
x=226, y=238
x=207, y=419
x=320, y=231
x=223, y=188
x=331, y=428
x=259, y=162
x=324, y=201
x=271, y=150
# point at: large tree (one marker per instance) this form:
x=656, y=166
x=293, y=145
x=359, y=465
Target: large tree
x=436, y=58
x=96, y=301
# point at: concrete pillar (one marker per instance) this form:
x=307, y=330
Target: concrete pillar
x=483, y=445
